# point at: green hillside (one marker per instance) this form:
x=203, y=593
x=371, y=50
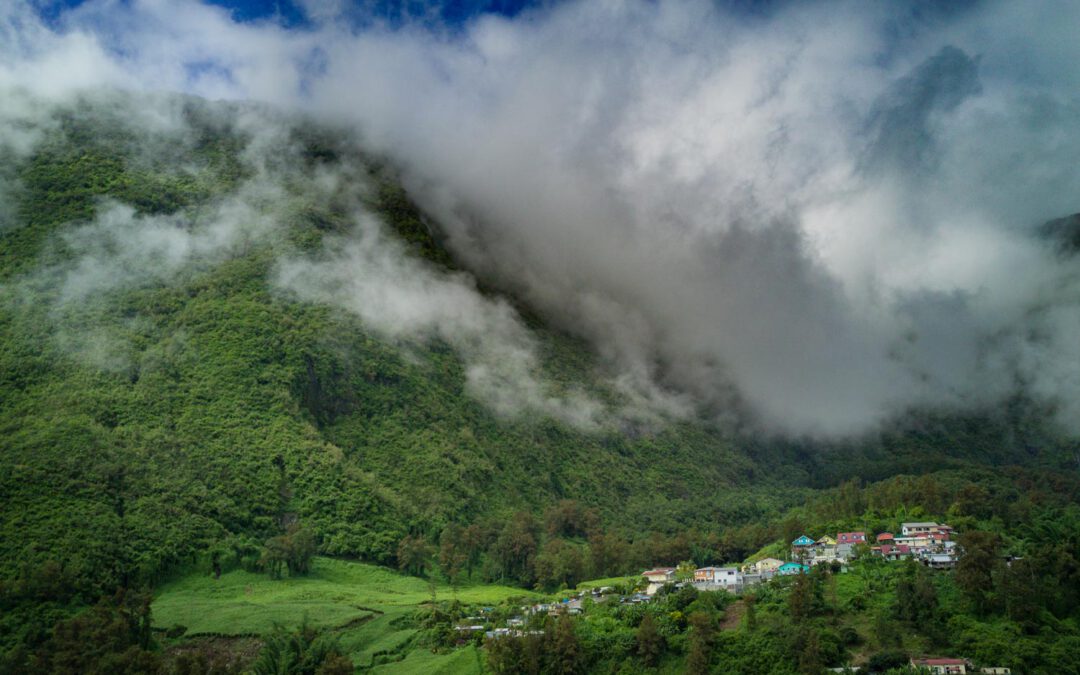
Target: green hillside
x=167, y=404
x=178, y=411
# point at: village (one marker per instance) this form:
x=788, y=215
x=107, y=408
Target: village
x=929, y=543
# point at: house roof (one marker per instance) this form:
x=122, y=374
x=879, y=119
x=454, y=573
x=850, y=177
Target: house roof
x=658, y=570
x=789, y=565
x=885, y=535
x=928, y=524
x=802, y=541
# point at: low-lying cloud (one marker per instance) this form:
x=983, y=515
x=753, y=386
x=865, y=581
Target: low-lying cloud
x=819, y=217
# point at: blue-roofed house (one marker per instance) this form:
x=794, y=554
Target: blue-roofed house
x=803, y=541
x=793, y=568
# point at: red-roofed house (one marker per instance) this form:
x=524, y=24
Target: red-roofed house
x=885, y=538
x=943, y=666
x=891, y=552
x=658, y=577
x=851, y=538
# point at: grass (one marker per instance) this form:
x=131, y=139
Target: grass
x=615, y=582
x=366, y=606
x=422, y=662
x=336, y=592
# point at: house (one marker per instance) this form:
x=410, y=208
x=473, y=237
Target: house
x=894, y=552
x=915, y=529
x=940, y=561
x=802, y=541
x=766, y=565
x=851, y=538
x=660, y=575
x=792, y=568
x=942, y=666
x=822, y=554
x=885, y=538
x=657, y=578
x=710, y=578
x=825, y=541
x=845, y=552
x=996, y=670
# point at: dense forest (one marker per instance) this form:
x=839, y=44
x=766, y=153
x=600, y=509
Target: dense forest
x=172, y=401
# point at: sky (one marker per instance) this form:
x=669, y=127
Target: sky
x=812, y=216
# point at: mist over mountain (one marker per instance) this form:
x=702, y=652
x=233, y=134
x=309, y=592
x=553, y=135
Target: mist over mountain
x=810, y=219
x=529, y=295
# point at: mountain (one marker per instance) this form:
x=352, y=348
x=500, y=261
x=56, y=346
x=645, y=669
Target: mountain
x=220, y=320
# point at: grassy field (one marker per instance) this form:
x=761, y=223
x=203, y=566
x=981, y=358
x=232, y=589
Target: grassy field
x=366, y=606
x=464, y=661
x=614, y=582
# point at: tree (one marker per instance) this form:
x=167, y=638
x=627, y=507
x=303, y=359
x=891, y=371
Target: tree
x=809, y=651
x=473, y=541
x=750, y=617
x=565, y=651
x=1020, y=592
x=111, y=637
x=568, y=518
x=453, y=554
x=559, y=564
x=888, y=660
x=976, y=568
x=650, y=643
x=274, y=554
x=515, y=548
x=507, y=655
x=607, y=555
x=701, y=643
x=303, y=652
x=301, y=550
x=293, y=551
x=413, y=554
x=805, y=599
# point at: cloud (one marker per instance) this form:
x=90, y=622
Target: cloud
x=818, y=216
x=402, y=298
x=399, y=297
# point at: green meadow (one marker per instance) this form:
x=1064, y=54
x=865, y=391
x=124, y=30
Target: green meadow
x=368, y=608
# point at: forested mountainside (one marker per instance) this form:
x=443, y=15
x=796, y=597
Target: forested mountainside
x=188, y=369
x=159, y=404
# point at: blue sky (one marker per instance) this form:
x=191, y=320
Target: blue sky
x=290, y=13
x=451, y=13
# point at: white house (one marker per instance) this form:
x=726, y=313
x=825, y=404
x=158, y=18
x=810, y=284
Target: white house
x=917, y=529
x=711, y=578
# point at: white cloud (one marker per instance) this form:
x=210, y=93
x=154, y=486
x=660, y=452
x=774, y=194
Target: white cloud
x=823, y=215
